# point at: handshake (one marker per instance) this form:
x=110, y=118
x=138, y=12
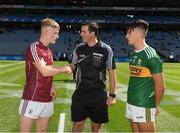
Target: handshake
x=47, y=71
x=68, y=69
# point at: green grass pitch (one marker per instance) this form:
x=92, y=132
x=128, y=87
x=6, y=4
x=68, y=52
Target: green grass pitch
x=12, y=78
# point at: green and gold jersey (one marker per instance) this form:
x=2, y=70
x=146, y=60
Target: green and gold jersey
x=142, y=65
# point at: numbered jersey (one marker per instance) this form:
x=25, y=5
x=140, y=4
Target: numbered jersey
x=142, y=65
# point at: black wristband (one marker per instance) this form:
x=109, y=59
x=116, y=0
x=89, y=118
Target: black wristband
x=112, y=95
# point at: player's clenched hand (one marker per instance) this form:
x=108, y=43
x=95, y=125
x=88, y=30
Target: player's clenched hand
x=53, y=93
x=68, y=69
x=157, y=110
x=111, y=101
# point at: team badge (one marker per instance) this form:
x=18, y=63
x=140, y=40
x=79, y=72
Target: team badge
x=82, y=55
x=139, y=61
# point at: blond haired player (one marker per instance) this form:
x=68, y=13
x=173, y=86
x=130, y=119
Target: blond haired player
x=38, y=95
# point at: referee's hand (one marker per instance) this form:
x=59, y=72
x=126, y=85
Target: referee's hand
x=111, y=101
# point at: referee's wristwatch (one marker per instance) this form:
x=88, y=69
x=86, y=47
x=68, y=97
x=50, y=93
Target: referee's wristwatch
x=112, y=95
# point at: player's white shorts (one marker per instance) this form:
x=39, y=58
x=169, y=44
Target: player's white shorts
x=140, y=114
x=34, y=110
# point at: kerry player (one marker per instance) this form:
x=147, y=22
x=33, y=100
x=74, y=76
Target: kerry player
x=146, y=84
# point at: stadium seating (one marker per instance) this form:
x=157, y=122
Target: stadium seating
x=15, y=41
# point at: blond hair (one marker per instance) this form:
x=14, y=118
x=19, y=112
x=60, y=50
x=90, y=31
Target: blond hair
x=49, y=22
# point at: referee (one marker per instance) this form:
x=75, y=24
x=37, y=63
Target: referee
x=90, y=97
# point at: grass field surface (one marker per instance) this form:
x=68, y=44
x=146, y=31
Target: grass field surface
x=12, y=78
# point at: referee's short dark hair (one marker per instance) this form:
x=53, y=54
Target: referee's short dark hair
x=92, y=27
x=140, y=24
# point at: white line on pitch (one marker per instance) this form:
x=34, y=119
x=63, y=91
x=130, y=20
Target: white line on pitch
x=61, y=123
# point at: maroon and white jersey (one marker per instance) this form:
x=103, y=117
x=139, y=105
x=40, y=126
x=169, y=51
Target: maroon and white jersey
x=37, y=87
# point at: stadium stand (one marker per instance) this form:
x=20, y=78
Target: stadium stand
x=19, y=21
x=15, y=41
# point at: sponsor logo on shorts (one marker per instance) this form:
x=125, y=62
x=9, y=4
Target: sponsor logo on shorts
x=139, y=117
x=30, y=111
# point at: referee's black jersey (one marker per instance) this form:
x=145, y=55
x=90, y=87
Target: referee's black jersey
x=92, y=63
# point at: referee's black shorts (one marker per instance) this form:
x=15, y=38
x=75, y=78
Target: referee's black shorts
x=89, y=103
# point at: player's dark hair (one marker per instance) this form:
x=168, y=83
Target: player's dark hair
x=92, y=27
x=140, y=24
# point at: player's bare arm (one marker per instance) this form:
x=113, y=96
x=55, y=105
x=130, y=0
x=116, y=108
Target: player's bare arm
x=53, y=93
x=112, y=82
x=159, y=88
x=47, y=71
